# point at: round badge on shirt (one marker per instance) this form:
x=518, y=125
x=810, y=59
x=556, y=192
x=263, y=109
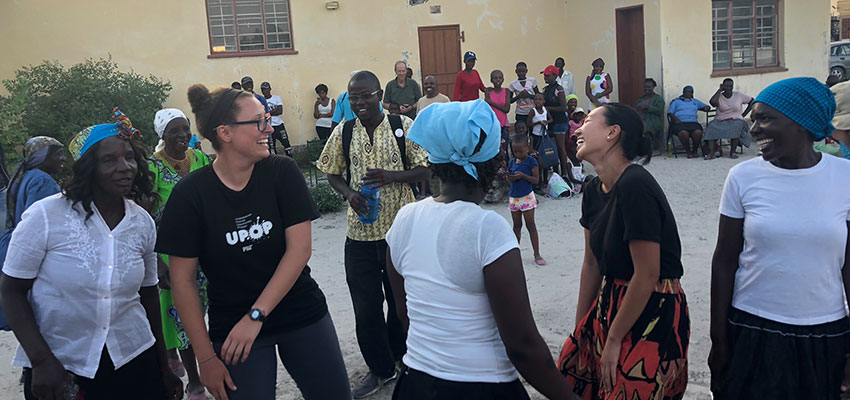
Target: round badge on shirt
x=399, y=132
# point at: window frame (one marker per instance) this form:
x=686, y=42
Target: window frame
x=252, y=53
x=777, y=66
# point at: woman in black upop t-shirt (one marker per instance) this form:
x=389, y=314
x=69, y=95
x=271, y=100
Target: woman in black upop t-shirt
x=630, y=299
x=247, y=219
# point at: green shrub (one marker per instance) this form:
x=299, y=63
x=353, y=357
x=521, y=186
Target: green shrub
x=52, y=100
x=326, y=198
x=314, y=149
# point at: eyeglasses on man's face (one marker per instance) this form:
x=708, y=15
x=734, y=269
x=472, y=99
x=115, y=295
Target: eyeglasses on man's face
x=261, y=123
x=353, y=98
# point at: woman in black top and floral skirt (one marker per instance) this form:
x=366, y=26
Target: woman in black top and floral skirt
x=247, y=218
x=632, y=325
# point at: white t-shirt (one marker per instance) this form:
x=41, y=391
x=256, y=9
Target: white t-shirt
x=523, y=106
x=441, y=251
x=87, y=278
x=795, y=233
x=275, y=101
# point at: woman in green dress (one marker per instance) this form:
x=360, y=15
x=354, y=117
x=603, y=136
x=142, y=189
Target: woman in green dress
x=173, y=160
x=650, y=106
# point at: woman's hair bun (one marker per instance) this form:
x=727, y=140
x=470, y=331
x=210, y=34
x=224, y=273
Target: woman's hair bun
x=199, y=97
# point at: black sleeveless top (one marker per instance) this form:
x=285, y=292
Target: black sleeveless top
x=550, y=96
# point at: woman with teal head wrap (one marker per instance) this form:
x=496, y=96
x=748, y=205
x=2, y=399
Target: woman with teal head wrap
x=79, y=278
x=450, y=251
x=779, y=269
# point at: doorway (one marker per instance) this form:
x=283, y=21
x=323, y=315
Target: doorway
x=439, y=55
x=631, y=54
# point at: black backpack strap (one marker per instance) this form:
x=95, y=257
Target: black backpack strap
x=347, y=133
x=395, y=125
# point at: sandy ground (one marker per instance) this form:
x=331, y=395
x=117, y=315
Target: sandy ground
x=693, y=189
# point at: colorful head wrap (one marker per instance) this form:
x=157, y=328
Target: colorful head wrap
x=571, y=96
x=84, y=140
x=36, y=150
x=806, y=101
x=450, y=132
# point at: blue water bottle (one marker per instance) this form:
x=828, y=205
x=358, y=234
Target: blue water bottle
x=372, y=196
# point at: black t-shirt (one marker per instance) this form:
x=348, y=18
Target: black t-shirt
x=634, y=209
x=239, y=240
x=550, y=96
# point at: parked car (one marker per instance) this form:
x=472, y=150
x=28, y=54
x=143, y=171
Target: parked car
x=839, y=59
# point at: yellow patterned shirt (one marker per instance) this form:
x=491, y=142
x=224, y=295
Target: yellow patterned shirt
x=382, y=153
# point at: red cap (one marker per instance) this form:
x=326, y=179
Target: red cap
x=550, y=70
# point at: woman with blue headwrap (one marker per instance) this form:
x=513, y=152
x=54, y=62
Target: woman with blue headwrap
x=79, y=281
x=781, y=268
x=457, y=274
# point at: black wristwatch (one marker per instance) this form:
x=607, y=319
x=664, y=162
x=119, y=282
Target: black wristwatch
x=257, y=315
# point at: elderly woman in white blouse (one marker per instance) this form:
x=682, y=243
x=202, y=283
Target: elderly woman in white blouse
x=87, y=257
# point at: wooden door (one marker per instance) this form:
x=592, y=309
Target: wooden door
x=631, y=54
x=845, y=28
x=439, y=55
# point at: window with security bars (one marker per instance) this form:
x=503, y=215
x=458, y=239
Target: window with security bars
x=744, y=34
x=240, y=27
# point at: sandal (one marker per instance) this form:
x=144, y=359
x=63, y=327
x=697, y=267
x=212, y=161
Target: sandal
x=540, y=261
x=733, y=156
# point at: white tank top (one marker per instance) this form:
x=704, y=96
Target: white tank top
x=325, y=122
x=538, y=117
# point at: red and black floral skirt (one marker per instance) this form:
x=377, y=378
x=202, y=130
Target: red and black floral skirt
x=654, y=355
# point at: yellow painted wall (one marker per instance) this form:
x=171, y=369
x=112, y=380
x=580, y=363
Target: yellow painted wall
x=169, y=39
x=686, y=47
x=592, y=32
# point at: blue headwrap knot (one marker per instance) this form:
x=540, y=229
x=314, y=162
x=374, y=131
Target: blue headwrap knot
x=451, y=132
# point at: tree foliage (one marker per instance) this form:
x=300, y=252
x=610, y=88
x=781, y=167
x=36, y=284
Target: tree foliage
x=51, y=100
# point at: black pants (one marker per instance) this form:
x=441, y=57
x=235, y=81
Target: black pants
x=279, y=134
x=310, y=354
x=381, y=340
x=140, y=379
x=417, y=385
x=323, y=132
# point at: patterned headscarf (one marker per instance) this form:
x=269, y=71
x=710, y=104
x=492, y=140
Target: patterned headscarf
x=84, y=140
x=807, y=101
x=450, y=132
x=36, y=151
x=162, y=119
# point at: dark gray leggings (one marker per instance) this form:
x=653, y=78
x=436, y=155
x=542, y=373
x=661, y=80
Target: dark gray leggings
x=311, y=355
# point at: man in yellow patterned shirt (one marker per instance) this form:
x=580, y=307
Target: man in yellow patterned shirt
x=375, y=160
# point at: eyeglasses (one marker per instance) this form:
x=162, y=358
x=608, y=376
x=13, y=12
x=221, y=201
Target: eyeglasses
x=261, y=123
x=353, y=98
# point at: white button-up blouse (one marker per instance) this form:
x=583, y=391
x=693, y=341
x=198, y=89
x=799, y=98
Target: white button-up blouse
x=87, y=280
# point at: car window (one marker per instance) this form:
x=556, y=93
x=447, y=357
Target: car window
x=844, y=50
x=833, y=51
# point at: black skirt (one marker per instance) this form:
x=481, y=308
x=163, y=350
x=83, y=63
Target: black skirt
x=417, y=385
x=687, y=127
x=772, y=360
